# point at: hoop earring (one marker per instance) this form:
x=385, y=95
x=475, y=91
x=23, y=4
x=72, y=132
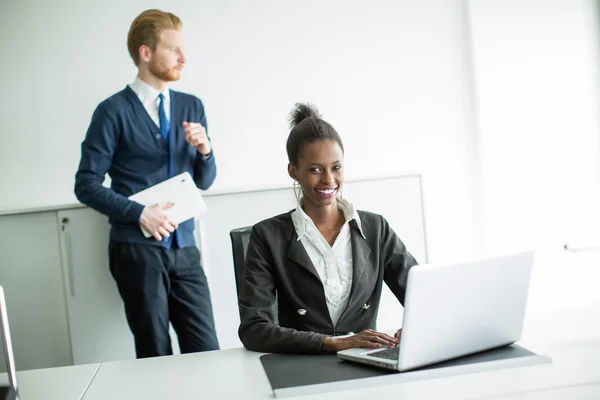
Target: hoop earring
x=297, y=190
x=341, y=193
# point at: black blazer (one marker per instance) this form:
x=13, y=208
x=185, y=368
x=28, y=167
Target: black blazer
x=277, y=261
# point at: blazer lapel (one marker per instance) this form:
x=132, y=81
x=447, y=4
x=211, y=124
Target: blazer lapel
x=360, y=258
x=362, y=276
x=297, y=253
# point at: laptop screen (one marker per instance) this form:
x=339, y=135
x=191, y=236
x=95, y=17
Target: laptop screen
x=8, y=352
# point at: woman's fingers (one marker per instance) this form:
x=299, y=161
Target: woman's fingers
x=368, y=339
x=379, y=337
x=367, y=344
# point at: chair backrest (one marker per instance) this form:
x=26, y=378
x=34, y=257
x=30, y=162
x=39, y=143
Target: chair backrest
x=239, y=245
x=240, y=238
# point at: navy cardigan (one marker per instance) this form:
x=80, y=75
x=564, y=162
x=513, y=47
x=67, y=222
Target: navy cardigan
x=123, y=141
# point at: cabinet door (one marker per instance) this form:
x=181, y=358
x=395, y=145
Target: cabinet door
x=99, y=330
x=30, y=273
x=98, y=327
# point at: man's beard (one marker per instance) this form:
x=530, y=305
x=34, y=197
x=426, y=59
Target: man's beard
x=165, y=74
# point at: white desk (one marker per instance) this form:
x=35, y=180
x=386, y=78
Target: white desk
x=573, y=344
x=237, y=373
x=571, y=338
x=582, y=392
x=64, y=383
x=231, y=374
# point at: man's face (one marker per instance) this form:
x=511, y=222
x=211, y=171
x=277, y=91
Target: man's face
x=166, y=62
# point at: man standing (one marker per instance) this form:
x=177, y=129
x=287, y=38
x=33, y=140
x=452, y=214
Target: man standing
x=141, y=136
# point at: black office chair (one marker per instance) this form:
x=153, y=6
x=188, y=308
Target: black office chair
x=239, y=245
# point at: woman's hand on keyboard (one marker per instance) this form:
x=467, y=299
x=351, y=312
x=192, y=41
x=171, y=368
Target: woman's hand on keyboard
x=368, y=339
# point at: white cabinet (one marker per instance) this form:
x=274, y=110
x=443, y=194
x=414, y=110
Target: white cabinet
x=97, y=323
x=30, y=272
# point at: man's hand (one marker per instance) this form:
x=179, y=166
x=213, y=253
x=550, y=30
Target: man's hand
x=368, y=339
x=155, y=221
x=195, y=134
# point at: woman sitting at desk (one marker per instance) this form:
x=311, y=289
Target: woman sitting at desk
x=326, y=261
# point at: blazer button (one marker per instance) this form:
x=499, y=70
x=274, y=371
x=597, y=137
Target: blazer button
x=365, y=306
x=302, y=311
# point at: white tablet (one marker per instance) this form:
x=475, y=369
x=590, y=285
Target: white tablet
x=179, y=190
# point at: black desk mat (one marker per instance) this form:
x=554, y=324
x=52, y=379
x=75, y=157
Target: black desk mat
x=292, y=370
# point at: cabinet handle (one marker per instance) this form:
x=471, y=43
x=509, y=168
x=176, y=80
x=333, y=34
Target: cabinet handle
x=575, y=249
x=70, y=270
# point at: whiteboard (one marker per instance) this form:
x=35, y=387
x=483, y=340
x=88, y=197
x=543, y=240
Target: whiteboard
x=398, y=199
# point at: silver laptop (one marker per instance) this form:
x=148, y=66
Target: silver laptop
x=452, y=310
x=10, y=392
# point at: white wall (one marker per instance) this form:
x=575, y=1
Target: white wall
x=536, y=68
x=493, y=102
x=392, y=77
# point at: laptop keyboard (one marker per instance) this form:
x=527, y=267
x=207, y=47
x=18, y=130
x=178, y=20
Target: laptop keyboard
x=390, y=353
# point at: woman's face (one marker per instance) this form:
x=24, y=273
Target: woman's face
x=319, y=171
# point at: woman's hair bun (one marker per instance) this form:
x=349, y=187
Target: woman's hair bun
x=302, y=111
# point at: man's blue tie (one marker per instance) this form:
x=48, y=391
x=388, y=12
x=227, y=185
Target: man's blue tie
x=165, y=128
